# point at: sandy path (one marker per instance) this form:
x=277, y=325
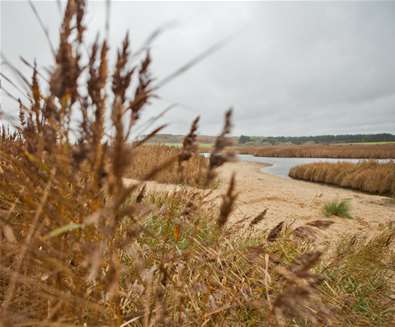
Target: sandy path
x=296, y=202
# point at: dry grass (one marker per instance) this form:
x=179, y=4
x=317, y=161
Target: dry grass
x=371, y=176
x=359, y=280
x=148, y=157
x=367, y=151
x=79, y=248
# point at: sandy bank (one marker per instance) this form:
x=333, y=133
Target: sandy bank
x=296, y=202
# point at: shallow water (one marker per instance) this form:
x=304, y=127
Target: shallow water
x=281, y=166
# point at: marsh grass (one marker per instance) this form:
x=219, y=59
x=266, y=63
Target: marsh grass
x=147, y=157
x=369, y=176
x=355, y=150
x=339, y=208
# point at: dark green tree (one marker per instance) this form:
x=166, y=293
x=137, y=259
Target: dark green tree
x=243, y=139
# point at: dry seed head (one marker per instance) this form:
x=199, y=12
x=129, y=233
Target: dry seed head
x=22, y=120
x=258, y=218
x=305, y=233
x=142, y=93
x=81, y=6
x=122, y=77
x=63, y=80
x=228, y=201
x=36, y=95
x=141, y=194
x=189, y=146
x=305, y=262
x=300, y=298
x=218, y=157
x=321, y=224
x=275, y=232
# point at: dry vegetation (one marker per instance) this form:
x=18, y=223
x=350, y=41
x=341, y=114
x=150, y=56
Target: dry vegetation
x=370, y=176
x=363, y=151
x=79, y=248
x=147, y=157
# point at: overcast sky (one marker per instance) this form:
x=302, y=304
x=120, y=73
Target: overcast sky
x=289, y=68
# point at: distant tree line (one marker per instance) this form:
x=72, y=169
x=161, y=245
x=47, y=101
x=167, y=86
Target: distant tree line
x=325, y=139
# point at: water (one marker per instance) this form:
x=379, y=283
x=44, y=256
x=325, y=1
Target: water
x=281, y=166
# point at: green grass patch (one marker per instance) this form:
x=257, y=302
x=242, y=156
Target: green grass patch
x=340, y=208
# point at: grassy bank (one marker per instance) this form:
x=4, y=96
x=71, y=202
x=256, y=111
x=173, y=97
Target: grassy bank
x=366, y=151
x=371, y=176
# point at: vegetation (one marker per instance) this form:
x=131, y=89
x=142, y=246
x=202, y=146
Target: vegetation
x=368, y=176
x=357, y=151
x=80, y=248
x=322, y=139
x=277, y=140
x=358, y=279
x=148, y=157
x=340, y=208
x=205, y=140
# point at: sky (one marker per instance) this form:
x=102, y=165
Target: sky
x=286, y=68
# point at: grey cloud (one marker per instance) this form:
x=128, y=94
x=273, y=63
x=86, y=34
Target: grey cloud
x=290, y=69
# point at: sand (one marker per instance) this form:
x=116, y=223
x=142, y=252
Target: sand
x=297, y=203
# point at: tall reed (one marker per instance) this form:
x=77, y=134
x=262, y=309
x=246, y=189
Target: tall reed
x=370, y=176
x=147, y=157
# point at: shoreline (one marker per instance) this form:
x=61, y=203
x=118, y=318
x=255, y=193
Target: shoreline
x=294, y=202
x=299, y=202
